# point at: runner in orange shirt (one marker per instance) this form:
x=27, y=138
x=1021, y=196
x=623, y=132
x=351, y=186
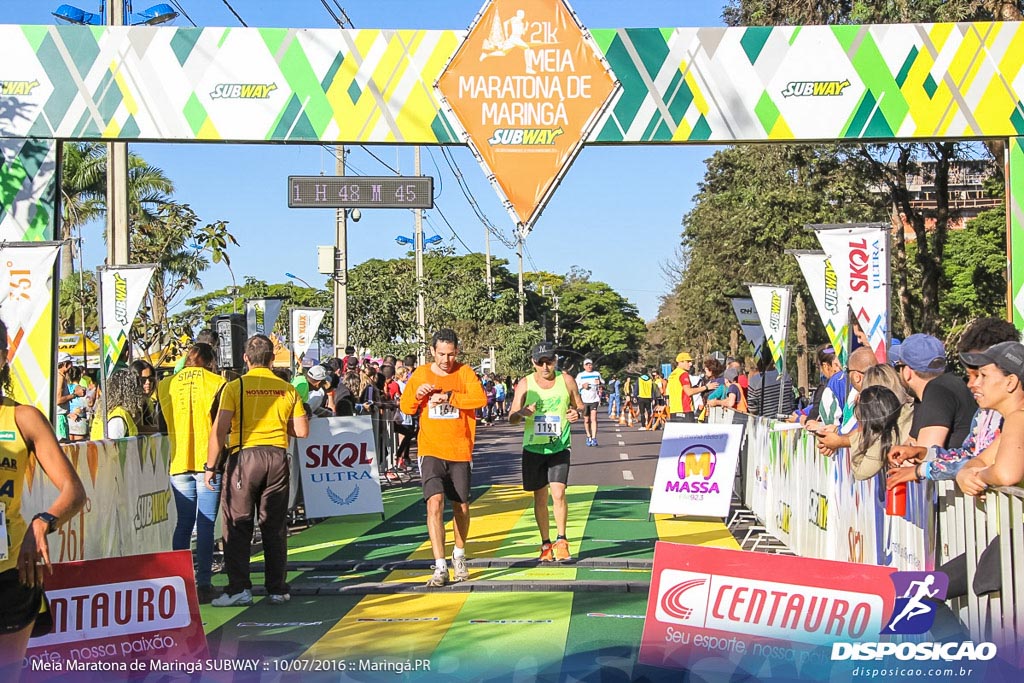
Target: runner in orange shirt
x=446, y=395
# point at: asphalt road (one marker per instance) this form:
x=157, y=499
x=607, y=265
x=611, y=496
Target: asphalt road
x=625, y=456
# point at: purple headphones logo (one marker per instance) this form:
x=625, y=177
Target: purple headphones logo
x=697, y=460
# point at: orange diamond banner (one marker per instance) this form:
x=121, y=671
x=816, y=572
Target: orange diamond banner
x=527, y=84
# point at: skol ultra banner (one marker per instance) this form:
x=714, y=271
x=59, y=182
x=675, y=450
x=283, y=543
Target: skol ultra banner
x=824, y=285
x=305, y=324
x=122, y=289
x=339, y=468
x=261, y=315
x=696, y=469
x=138, y=613
x=28, y=189
x=860, y=256
x=772, y=304
x=26, y=307
x=749, y=322
x=527, y=85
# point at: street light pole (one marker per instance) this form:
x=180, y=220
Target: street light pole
x=340, y=266
x=421, y=309
x=522, y=295
x=117, y=175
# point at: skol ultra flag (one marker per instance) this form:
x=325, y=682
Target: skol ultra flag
x=261, y=315
x=305, y=323
x=772, y=304
x=26, y=307
x=122, y=289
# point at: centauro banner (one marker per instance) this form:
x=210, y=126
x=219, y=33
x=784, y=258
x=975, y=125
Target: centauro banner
x=772, y=304
x=261, y=315
x=860, y=255
x=831, y=303
x=122, y=289
x=305, y=323
x=527, y=85
x=26, y=307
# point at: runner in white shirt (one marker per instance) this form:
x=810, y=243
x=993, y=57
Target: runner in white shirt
x=589, y=381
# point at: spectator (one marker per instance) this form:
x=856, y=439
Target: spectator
x=149, y=421
x=64, y=395
x=346, y=395
x=78, y=418
x=126, y=402
x=189, y=403
x=262, y=411
x=770, y=394
x=943, y=416
x=884, y=419
x=830, y=436
x=318, y=404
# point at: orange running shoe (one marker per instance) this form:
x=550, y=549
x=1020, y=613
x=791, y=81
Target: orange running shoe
x=561, y=550
x=545, y=553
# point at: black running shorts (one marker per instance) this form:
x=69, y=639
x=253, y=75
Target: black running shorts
x=540, y=470
x=589, y=408
x=20, y=602
x=445, y=476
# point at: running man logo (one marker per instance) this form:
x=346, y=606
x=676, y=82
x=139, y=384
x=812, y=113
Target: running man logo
x=18, y=87
x=815, y=88
x=776, y=318
x=913, y=612
x=831, y=288
x=525, y=137
x=671, y=600
x=243, y=91
x=120, y=299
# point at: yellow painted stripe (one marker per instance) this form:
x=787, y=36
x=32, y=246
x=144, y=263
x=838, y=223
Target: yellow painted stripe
x=126, y=93
x=712, y=534
x=398, y=639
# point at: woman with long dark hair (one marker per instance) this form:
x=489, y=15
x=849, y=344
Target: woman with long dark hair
x=125, y=401
x=25, y=555
x=884, y=421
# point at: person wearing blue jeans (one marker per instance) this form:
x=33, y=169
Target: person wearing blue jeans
x=197, y=507
x=615, y=397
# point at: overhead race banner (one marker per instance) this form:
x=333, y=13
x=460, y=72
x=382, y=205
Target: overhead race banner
x=122, y=289
x=339, y=468
x=696, y=469
x=743, y=307
x=115, y=612
x=860, y=256
x=772, y=304
x=824, y=285
x=26, y=307
x=305, y=324
x=28, y=187
x=527, y=85
x=773, y=618
x=261, y=315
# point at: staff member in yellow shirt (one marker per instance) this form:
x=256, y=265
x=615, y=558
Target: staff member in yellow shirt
x=188, y=401
x=261, y=411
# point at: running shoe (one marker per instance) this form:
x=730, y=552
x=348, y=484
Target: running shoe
x=546, y=553
x=237, y=600
x=561, y=550
x=459, y=569
x=440, y=577
x=593, y=442
x=279, y=599
x=207, y=594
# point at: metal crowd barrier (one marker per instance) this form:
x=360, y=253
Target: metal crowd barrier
x=814, y=506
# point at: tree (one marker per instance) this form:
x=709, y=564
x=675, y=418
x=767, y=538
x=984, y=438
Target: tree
x=974, y=270
x=83, y=185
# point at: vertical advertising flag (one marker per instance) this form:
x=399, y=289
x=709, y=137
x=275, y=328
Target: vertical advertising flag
x=122, y=289
x=305, y=324
x=26, y=307
x=749, y=322
x=831, y=304
x=860, y=256
x=772, y=304
x=261, y=315
x=339, y=468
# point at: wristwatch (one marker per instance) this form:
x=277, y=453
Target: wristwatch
x=51, y=521
x=207, y=468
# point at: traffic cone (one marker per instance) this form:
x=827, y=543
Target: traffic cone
x=629, y=417
x=622, y=417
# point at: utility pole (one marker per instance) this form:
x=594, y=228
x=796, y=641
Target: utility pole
x=340, y=265
x=421, y=308
x=490, y=286
x=117, y=175
x=522, y=296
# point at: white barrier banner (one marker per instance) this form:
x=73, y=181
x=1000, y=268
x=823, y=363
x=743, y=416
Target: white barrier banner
x=339, y=468
x=823, y=283
x=305, y=324
x=696, y=469
x=860, y=256
x=261, y=315
x=772, y=304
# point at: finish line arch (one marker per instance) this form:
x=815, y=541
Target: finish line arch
x=673, y=85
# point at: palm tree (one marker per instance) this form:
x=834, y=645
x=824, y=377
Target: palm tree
x=83, y=186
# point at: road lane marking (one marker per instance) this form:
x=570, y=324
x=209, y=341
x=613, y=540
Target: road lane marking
x=623, y=456
x=627, y=475
x=622, y=443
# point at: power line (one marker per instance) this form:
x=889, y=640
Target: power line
x=183, y=13
x=446, y=222
x=440, y=180
x=382, y=162
x=460, y=179
x=333, y=15
x=240, y=20
x=344, y=14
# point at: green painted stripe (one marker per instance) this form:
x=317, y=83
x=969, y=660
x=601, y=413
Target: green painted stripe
x=753, y=41
x=908, y=64
x=603, y=37
x=35, y=35
x=183, y=42
x=874, y=72
x=680, y=101
x=597, y=646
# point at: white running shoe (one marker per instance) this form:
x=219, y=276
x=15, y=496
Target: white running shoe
x=237, y=600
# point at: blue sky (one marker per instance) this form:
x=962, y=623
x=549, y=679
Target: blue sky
x=617, y=212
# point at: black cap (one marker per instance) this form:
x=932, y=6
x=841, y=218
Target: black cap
x=543, y=350
x=1007, y=356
